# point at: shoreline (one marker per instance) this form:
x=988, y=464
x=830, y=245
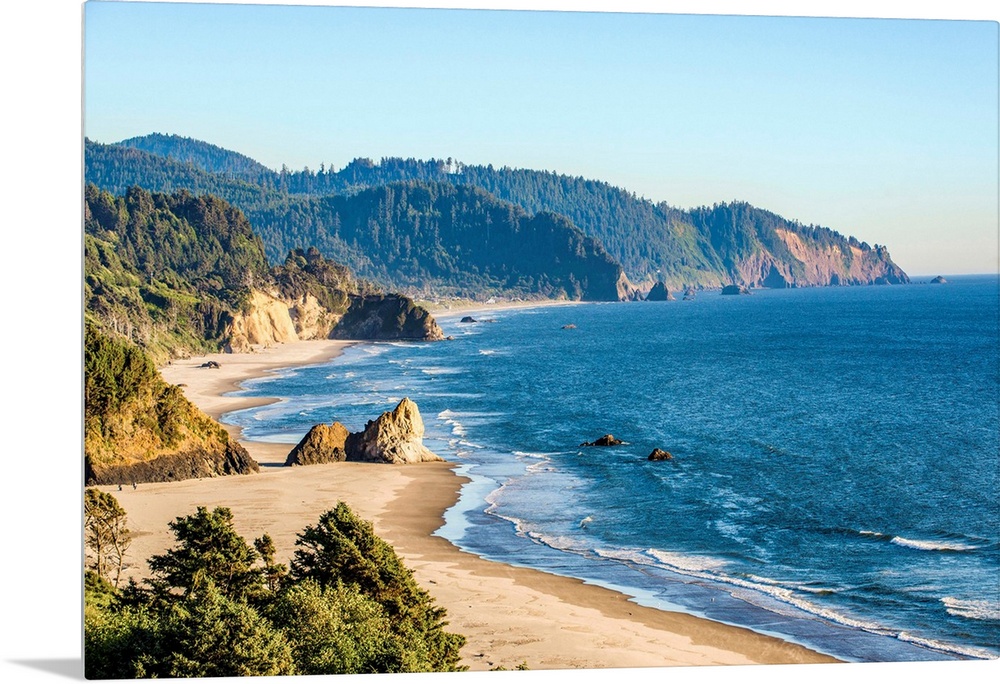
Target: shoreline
x=509, y=615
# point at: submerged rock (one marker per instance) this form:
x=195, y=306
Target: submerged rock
x=606, y=440
x=735, y=290
x=394, y=437
x=322, y=444
x=660, y=455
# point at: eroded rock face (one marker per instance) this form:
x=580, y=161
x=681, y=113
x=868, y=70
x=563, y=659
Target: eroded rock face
x=322, y=444
x=394, y=437
x=606, y=440
x=191, y=464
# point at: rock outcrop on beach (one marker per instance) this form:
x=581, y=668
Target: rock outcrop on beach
x=322, y=444
x=394, y=437
x=606, y=440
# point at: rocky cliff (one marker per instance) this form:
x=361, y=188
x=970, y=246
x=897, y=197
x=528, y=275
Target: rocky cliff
x=269, y=319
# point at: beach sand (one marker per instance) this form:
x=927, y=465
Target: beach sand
x=508, y=615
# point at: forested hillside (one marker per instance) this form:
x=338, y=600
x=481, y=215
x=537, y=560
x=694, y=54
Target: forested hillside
x=435, y=238
x=179, y=274
x=138, y=428
x=707, y=246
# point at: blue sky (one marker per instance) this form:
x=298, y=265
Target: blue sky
x=884, y=129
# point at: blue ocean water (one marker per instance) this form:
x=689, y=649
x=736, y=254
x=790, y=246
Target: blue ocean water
x=836, y=470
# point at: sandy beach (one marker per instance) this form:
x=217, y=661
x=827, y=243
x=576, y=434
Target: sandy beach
x=508, y=615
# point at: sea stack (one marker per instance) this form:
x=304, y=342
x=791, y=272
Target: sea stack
x=394, y=437
x=659, y=293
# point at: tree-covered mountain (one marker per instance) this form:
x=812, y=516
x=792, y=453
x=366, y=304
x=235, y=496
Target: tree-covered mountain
x=708, y=246
x=202, y=155
x=426, y=238
x=436, y=238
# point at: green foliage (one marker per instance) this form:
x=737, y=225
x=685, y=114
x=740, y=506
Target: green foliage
x=120, y=642
x=208, y=611
x=337, y=630
x=424, y=236
x=208, y=633
x=167, y=271
x=114, y=374
x=343, y=549
x=208, y=548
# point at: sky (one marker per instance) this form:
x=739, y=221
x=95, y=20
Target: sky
x=879, y=128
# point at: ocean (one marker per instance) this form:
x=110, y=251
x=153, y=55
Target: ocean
x=835, y=478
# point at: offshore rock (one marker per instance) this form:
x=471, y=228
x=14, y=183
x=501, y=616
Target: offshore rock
x=606, y=440
x=660, y=455
x=939, y=280
x=386, y=317
x=394, y=437
x=659, y=293
x=322, y=444
x=735, y=290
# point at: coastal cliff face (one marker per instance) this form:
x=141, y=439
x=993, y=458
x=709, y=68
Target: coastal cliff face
x=817, y=264
x=756, y=248
x=270, y=320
